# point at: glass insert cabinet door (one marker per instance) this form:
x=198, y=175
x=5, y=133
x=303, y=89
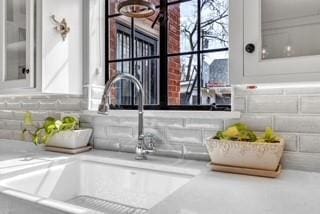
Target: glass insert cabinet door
x=281, y=37
x=16, y=43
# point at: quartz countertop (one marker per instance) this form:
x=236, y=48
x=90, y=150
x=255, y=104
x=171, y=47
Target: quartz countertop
x=294, y=192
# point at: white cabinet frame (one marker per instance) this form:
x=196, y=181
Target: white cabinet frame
x=29, y=82
x=249, y=68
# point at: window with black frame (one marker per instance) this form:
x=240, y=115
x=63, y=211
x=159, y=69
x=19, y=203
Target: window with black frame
x=180, y=55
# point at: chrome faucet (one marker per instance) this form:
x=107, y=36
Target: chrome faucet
x=142, y=147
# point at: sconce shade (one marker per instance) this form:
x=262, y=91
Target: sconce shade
x=136, y=8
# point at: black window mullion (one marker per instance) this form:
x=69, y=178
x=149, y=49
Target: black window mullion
x=163, y=55
x=132, y=61
x=198, y=54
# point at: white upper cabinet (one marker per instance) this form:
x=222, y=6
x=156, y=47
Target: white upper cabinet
x=34, y=57
x=274, y=41
x=17, y=44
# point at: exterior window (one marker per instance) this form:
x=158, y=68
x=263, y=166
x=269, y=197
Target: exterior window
x=145, y=70
x=180, y=55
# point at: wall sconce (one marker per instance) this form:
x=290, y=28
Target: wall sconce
x=136, y=8
x=61, y=27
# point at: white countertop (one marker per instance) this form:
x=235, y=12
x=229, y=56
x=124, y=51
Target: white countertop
x=294, y=192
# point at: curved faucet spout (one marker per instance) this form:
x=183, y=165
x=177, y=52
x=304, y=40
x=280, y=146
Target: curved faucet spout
x=104, y=106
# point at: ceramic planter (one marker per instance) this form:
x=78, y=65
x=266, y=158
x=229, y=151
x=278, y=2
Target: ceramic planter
x=71, y=139
x=265, y=156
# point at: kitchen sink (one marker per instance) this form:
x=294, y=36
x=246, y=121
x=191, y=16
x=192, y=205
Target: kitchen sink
x=116, y=187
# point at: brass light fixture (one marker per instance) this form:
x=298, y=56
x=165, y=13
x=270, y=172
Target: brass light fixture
x=136, y=8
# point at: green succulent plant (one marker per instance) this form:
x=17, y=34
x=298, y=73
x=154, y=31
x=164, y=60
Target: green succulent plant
x=241, y=132
x=50, y=127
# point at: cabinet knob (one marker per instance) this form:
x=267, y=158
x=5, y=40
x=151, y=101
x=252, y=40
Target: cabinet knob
x=250, y=48
x=25, y=71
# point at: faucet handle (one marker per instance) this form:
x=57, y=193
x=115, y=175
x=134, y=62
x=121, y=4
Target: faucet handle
x=149, y=141
x=103, y=109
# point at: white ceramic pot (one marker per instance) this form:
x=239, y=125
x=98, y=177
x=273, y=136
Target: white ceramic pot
x=71, y=139
x=253, y=155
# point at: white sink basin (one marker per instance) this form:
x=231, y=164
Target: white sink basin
x=89, y=183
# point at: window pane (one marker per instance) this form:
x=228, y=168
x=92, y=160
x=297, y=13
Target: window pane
x=182, y=29
x=147, y=36
x=147, y=71
x=121, y=93
x=119, y=38
x=214, y=24
x=215, y=79
x=182, y=80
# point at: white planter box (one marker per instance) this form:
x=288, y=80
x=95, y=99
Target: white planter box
x=71, y=139
x=253, y=155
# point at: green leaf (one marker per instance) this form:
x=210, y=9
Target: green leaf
x=28, y=120
x=50, y=127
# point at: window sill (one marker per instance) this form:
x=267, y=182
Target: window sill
x=171, y=114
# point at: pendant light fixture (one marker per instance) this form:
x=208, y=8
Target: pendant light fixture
x=136, y=8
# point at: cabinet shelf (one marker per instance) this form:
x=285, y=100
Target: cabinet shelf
x=17, y=46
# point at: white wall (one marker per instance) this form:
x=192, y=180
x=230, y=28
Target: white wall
x=62, y=61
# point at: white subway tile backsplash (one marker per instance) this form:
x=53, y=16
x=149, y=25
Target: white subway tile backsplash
x=239, y=104
x=128, y=121
x=287, y=110
x=291, y=142
x=273, y=104
x=99, y=131
x=47, y=104
x=192, y=136
x=310, y=143
x=204, y=123
x=257, y=122
x=2, y=105
x=69, y=105
x=13, y=105
x=310, y=104
x=163, y=122
x=302, y=90
x=106, y=120
x=31, y=105
x=19, y=115
x=106, y=144
x=6, y=115
x=241, y=91
x=298, y=124
x=119, y=131
x=13, y=124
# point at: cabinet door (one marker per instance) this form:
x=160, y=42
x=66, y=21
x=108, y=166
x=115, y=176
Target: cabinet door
x=17, y=44
x=281, y=40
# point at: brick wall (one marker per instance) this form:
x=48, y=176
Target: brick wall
x=174, y=63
